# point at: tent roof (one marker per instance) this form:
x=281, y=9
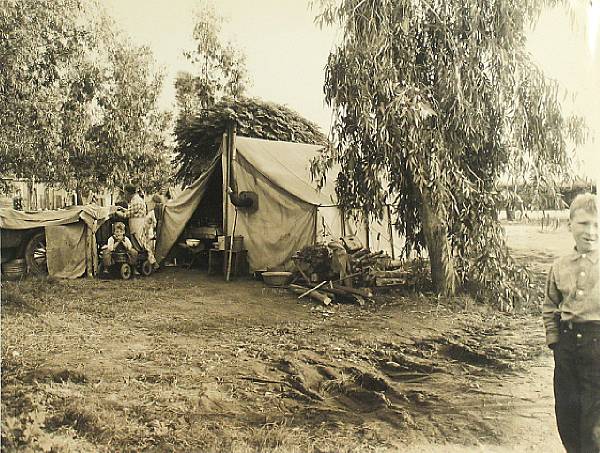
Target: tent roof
x=286, y=165
x=19, y=220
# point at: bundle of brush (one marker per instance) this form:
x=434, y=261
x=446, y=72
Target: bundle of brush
x=314, y=259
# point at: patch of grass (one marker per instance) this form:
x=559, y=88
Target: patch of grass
x=78, y=417
x=27, y=294
x=58, y=376
x=13, y=299
x=179, y=326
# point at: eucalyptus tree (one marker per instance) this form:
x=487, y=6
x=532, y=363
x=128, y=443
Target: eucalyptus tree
x=130, y=139
x=434, y=100
x=220, y=69
x=78, y=102
x=38, y=42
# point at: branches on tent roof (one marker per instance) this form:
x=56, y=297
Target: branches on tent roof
x=198, y=138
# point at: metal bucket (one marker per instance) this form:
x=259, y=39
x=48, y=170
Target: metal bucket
x=238, y=243
x=15, y=269
x=223, y=243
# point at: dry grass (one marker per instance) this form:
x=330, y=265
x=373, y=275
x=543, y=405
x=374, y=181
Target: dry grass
x=182, y=362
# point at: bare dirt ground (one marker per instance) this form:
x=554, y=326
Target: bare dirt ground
x=184, y=362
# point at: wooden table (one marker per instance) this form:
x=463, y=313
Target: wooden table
x=193, y=253
x=217, y=262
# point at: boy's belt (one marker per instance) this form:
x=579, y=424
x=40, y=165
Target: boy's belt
x=583, y=327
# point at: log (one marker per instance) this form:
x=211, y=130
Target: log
x=316, y=295
x=398, y=273
x=368, y=256
x=355, y=274
x=337, y=292
x=366, y=292
x=381, y=281
x=362, y=252
x=312, y=289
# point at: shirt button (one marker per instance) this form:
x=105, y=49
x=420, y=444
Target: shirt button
x=583, y=255
x=580, y=293
x=582, y=274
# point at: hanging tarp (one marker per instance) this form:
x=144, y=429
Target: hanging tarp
x=71, y=249
x=179, y=210
x=282, y=224
x=71, y=237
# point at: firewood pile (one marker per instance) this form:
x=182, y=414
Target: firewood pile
x=344, y=271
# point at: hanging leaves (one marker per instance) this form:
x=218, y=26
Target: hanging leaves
x=434, y=101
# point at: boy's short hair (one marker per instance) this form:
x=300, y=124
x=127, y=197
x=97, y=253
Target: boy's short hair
x=119, y=226
x=586, y=201
x=130, y=189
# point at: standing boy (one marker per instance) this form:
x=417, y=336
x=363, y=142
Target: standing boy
x=571, y=314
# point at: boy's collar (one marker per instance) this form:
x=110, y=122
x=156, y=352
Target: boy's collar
x=592, y=255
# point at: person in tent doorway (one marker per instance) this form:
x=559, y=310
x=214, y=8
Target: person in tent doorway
x=571, y=313
x=136, y=214
x=18, y=201
x=153, y=221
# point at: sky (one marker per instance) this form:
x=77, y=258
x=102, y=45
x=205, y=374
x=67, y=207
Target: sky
x=286, y=53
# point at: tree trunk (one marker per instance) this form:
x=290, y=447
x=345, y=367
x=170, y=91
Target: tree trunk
x=435, y=229
x=79, y=194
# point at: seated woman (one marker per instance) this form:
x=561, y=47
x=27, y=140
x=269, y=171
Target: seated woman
x=118, y=241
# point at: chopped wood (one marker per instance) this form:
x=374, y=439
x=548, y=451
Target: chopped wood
x=355, y=274
x=364, y=292
x=368, y=256
x=312, y=289
x=381, y=281
x=359, y=300
x=301, y=271
x=326, y=300
x=396, y=263
x=398, y=273
x=359, y=253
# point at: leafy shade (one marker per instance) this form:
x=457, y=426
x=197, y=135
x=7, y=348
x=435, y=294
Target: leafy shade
x=78, y=102
x=198, y=138
x=434, y=101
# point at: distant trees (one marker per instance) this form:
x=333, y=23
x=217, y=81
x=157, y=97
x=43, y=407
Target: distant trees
x=434, y=101
x=220, y=67
x=78, y=103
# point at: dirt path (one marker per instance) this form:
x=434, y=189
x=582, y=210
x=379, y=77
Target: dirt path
x=183, y=362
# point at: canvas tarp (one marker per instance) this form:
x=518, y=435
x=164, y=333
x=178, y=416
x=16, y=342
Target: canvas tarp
x=291, y=214
x=70, y=236
x=178, y=211
x=292, y=211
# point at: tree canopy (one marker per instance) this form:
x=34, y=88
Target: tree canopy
x=198, y=138
x=220, y=69
x=78, y=102
x=435, y=100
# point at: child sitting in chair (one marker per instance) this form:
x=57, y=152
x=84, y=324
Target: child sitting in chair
x=118, y=241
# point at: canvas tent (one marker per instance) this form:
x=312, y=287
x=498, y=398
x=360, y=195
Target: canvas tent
x=70, y=236
x=291, y=212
